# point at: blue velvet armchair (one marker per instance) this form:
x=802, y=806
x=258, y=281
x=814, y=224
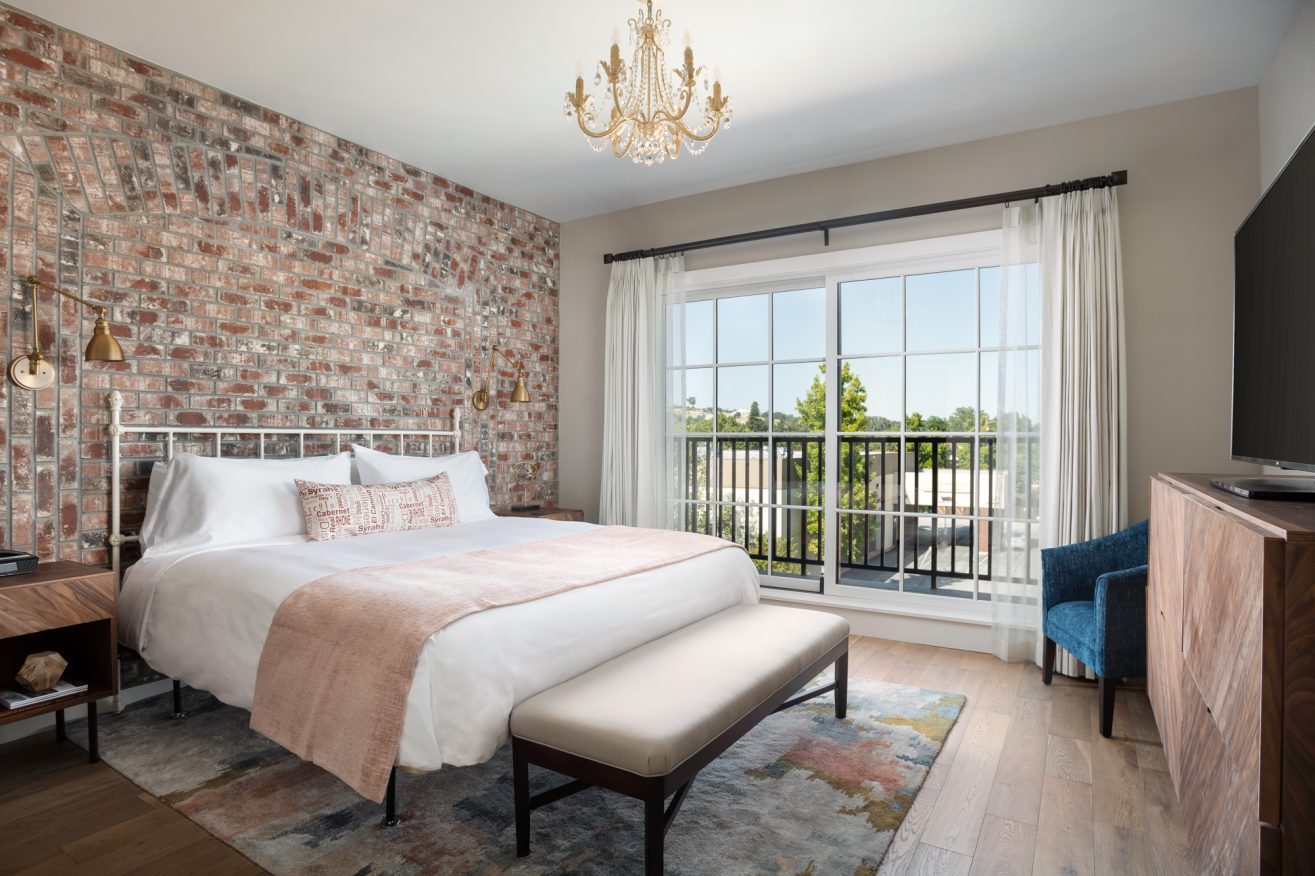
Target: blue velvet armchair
x=1094, y=606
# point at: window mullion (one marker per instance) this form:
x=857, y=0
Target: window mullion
x=831, y=444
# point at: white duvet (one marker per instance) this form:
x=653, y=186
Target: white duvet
x=202, y=616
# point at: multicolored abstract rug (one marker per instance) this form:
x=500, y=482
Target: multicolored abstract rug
x=803, y=793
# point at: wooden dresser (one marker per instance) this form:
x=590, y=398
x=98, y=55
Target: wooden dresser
x=1231, y=671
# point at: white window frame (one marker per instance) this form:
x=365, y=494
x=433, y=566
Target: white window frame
x=830, y=269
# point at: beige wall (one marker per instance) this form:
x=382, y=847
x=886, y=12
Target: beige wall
x=1287, y=95
x=1192, y=169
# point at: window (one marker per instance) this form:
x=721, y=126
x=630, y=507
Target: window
x=842, y=427
x=755, y=426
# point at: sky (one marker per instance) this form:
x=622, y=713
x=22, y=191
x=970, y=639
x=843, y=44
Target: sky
x=940, y=336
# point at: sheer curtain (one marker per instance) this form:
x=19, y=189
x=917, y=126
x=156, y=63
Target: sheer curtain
x=1084, y=468
x=644, y=325
x=1065, y=480
x=1015, y=505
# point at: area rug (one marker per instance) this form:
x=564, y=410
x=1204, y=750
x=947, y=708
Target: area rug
x=803, y=793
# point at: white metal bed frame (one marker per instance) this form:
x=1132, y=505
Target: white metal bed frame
x=117, y=539
x=118, y=430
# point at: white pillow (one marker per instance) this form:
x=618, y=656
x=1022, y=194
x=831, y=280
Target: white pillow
x=207, y=502
x=154, y=490
x=466, y=471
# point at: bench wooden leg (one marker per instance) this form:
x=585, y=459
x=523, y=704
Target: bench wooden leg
x=655, y=830
x=842, y=685
x=520, y=777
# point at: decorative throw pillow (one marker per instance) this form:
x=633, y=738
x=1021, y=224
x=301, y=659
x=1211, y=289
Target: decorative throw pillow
x=343, y=510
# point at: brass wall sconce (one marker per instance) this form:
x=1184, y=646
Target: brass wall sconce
x=519, y=393
x=34, y=370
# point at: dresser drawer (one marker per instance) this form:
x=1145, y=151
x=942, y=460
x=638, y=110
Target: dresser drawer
x=1218, y=799
x=1232, y=572
x=30, y=609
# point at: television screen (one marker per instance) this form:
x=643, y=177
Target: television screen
x=1274, y=321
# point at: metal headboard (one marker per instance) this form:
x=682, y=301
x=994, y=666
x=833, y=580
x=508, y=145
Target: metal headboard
x=118, y=430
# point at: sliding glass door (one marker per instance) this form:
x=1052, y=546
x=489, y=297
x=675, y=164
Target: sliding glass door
x=843, y=429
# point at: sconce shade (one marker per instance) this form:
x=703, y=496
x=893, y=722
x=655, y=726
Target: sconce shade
x=103, y=347
x=520, y=393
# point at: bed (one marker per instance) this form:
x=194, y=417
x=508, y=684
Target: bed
x=201, y=614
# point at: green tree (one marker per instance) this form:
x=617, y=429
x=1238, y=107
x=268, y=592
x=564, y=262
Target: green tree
x=756, y=421
x=853, y=402
x=811, y=418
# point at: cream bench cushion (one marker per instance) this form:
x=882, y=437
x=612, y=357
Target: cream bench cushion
x=650, y=709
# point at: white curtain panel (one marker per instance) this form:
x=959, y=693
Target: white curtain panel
x=644, y=325
x=1015, y=564
x=1084, y=466
x=1081, y=489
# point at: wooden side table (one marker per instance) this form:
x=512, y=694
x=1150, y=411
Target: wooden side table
x=69, y=608
x=552, y=513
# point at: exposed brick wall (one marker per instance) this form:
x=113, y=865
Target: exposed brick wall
x=260, y=272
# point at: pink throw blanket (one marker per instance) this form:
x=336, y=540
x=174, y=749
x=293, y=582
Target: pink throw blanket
x=338, y=663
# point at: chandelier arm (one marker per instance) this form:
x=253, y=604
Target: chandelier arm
x=701, y=138
x=663, y=115
x=598, y=135
x=623, y=150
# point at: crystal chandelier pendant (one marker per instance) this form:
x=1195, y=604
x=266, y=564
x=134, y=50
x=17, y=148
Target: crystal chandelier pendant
x=651, y=111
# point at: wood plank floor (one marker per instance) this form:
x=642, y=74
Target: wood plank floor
x=60, y=814
x=1025, y=784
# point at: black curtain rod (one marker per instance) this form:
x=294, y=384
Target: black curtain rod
x=1117, y=178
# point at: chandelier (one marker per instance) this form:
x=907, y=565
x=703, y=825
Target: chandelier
x=651, y=110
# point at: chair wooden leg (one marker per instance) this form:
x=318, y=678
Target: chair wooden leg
x=842, y=685
x=1107, y=686
x=1048, y=662
x=655, y=829
x=520, y=777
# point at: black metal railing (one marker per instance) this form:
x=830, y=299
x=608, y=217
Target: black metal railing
x=948, y=483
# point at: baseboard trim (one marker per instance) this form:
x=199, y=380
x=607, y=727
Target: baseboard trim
x=901, y=626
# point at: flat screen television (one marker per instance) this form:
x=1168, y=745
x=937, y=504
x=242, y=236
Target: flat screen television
x=1274, y=331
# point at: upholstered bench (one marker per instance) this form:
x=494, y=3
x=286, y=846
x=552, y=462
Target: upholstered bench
x=645, y=723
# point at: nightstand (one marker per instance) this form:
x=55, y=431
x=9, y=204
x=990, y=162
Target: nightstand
x=69, y=608
x=545, y=513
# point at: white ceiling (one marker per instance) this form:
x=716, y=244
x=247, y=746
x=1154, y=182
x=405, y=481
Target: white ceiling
x=473, y=90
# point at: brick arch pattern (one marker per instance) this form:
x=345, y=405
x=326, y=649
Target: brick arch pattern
x=259, y=273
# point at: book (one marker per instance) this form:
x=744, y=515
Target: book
x=13, y=699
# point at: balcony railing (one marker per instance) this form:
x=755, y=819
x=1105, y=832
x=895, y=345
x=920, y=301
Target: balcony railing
x=943, y=489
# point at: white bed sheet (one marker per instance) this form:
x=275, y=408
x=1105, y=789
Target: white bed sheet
x=202, y=617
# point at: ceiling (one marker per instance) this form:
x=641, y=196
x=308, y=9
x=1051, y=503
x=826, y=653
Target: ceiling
x=473, y=90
